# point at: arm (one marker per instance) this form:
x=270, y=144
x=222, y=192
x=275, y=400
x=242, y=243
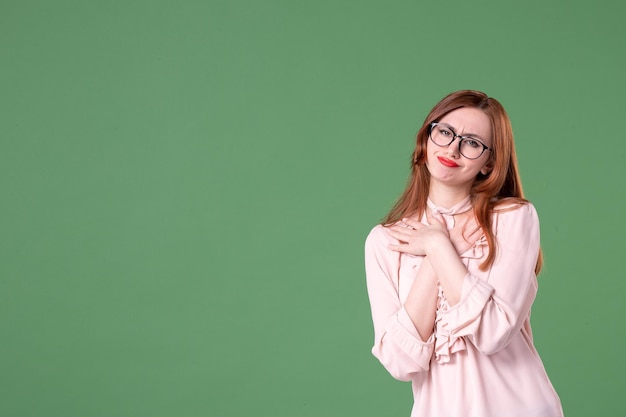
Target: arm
x=421, y=303
x=488, y=308
x=493, y=308
x=448, y=266
x=397, y=342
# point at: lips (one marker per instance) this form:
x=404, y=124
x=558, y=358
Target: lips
x=447, y=162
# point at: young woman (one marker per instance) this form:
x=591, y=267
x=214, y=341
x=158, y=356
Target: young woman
x=451, y=272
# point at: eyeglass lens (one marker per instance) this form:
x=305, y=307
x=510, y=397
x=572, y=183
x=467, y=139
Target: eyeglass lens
x=469, y=147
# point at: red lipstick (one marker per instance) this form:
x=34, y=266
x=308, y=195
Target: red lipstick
x=447, y=162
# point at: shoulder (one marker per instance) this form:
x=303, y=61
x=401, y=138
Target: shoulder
x=514, y=207
x=378, y=241
x=515, y=213
x=379, y=235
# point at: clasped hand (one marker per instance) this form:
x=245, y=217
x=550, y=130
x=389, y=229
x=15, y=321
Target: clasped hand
x=417, y=238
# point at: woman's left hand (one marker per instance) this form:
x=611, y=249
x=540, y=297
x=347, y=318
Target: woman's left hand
x=415, y=237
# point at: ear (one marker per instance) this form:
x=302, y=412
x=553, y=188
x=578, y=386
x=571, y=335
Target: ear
x=486, y=169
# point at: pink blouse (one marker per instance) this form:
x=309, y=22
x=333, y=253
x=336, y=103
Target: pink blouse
x=480, y=361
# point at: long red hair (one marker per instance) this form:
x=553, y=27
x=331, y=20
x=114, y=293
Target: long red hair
x=501, y=185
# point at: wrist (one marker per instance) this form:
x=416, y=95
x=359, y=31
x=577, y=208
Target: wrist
x=437, y=245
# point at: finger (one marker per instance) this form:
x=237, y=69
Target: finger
x=398, y=248
x=403, y=229
x=400, y=235
x=412, y=223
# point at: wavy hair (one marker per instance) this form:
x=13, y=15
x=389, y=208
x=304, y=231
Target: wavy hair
x=488, y=192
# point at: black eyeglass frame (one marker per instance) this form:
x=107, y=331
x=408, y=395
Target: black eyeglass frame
x=454, y=136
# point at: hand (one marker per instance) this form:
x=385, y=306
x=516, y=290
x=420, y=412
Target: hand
x=415, y=237
x=465, y=234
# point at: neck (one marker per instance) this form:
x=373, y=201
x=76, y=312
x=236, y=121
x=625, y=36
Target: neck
x=447, y=197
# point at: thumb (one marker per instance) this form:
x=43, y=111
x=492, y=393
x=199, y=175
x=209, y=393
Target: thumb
x=435, y=217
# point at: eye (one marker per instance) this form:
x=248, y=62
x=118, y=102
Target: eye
x=445, y=132
x=473, y=143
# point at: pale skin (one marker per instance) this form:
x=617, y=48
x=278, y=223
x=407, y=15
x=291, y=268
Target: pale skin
x=441, y=247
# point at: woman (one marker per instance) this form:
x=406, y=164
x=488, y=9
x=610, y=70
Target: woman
x=451, y=272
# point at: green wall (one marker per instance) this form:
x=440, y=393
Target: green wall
x=186, y=187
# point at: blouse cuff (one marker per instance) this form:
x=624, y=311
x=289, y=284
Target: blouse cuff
x=404, y=334
x=474, y=296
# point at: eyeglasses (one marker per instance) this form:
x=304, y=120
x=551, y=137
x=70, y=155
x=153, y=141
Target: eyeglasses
x=469, y=147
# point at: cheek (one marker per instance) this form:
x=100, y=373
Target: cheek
x=430, y=151
x=429, y=159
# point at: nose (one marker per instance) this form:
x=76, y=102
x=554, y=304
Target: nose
x=454, y=148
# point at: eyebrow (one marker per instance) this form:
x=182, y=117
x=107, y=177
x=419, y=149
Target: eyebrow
x=454, y=129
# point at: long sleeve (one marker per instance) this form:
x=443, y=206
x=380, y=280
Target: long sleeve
x=495, y=304
x=397, y=344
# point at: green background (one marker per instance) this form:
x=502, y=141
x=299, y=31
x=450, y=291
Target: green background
x=186, y=187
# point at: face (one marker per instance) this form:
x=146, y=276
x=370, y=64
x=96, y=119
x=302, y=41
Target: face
x=446, y=164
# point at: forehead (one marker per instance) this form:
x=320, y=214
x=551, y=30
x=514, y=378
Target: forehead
x=469, y=120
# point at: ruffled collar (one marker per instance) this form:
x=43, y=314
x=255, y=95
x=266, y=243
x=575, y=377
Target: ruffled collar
x=448, y=214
